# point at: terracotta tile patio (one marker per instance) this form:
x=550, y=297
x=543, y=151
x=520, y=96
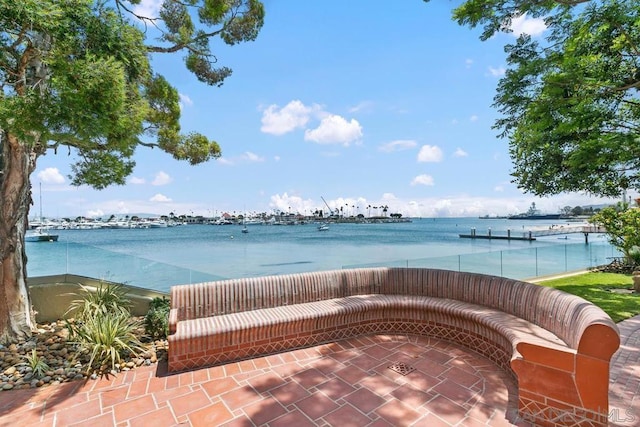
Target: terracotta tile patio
x=347, y=383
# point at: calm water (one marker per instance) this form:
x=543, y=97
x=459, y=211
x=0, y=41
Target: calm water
x=158, y=258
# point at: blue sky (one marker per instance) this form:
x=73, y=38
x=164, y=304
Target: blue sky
x=361, y=102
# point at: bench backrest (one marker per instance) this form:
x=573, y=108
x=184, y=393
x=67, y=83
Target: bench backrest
x=568, y=316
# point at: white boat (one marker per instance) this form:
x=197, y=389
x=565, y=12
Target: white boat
x=323, y=227
x=40, y=235
x=245, y=229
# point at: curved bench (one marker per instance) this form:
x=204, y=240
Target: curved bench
x=557, y=346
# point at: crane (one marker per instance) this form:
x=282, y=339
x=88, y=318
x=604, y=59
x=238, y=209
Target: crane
x=328, y=207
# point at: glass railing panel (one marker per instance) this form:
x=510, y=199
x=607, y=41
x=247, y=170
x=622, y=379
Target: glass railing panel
x=89, y=261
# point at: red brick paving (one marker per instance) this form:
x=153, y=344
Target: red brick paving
x=343, y=384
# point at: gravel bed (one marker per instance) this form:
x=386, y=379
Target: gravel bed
x=65, y=364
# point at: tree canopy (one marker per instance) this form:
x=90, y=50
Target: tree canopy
x=76, y=75
x=622, y=223
x=569, y=101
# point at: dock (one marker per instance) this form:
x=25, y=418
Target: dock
x=532, y=234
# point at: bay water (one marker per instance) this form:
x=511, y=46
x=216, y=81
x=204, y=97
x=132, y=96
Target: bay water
x=157, y=258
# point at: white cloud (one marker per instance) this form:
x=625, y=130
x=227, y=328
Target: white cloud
x=51, y=176
x=498, y=189
x=473, y=118
x=423, y=179
x=363, y=106
x=524, y=25
x=398, y=145
x=96, y=213
x=497, y=72
x=252, y=157
x=148, y=8
x=161, y=178
x=290, y=117
x=430, y=154
x=468, y=63
x=276, y=158
x=246, y=157
x=161, y=198
x=334, y=129
x=460, y=153
x=136, y=181
x=185, y=101
x=292, y=204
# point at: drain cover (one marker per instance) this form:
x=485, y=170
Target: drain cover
x=402, y=368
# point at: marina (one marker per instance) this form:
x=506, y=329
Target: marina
x=157, y=258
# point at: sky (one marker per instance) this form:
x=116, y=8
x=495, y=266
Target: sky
x=362, y=103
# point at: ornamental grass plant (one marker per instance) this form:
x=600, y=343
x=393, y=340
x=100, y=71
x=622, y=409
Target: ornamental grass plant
x=103, y=329
x=36, y=363
x=104, y=298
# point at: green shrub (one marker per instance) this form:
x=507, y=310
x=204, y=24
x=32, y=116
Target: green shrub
x=107, y=297
x=156, y=321
x=103, y=330
x=106, y=337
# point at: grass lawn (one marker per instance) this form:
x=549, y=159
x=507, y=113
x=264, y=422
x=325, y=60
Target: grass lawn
x=599, y=288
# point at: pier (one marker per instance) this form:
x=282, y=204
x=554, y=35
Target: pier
x=533, y=234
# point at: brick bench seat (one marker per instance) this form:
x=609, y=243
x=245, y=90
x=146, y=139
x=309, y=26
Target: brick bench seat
x=555, y=345
x=491, y=332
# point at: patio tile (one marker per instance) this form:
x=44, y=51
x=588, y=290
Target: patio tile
x=212, y=415
x=335, y=388
x=453, y=391
x=219, y=386
x=189, y=402
x=347, y=416
x=240, y=397
x=159, y=417
x=411, y=396
x=104, y=420
x=264, y=411
x=351, y=374
x=462, y=376
x=295, y=418
x=78, y=413
x=446, y=409
x=265, y=382
x=309, y=377
x=289, y=393
x=341, y=384
x=397, y=413
x=317, y=405
x=365, y=400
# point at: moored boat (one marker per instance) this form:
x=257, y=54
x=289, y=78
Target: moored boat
x=40, y=235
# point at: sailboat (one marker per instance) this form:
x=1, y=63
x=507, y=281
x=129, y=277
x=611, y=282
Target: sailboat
x=244, y=222
x=41, y=233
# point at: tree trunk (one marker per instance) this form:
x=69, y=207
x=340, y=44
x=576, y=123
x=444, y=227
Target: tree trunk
x=17, y=162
